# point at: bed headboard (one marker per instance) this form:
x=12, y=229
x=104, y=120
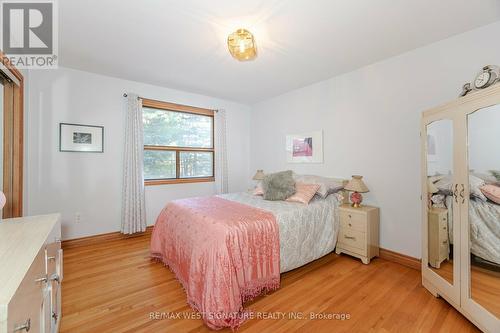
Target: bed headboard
x=344, y=192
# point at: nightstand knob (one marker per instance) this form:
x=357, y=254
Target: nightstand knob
x=350, y=225
x=350, y=216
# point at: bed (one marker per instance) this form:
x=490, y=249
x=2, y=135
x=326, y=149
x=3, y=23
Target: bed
x=228, y=249
x=306, y=232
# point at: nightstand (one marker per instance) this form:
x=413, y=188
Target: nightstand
x=439, y=247
x=359, y=232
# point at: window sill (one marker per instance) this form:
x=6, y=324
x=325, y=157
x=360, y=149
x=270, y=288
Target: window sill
x=178, y=181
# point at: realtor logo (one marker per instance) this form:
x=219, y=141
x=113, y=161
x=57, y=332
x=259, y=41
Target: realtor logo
x=29, y=33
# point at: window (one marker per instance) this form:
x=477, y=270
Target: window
x=178, y=143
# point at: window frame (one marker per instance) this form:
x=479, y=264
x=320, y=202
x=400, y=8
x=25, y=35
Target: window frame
x=166, y=106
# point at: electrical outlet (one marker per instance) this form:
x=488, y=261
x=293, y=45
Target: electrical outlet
x=77, y=218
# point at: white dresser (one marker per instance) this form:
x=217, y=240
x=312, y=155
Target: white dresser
x=30, y=274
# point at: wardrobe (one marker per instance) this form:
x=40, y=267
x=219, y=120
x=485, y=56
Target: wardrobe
x=460, y=208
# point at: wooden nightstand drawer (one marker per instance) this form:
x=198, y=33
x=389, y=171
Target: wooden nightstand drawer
x=350, y=220
x=358, y=234
x=443, y=232
x=353, y=238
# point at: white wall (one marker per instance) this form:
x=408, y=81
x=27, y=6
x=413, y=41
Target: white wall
x=442, y=161
x=484, y=140
x=90, y=183
x=371, y=122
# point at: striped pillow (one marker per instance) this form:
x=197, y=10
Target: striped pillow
x=304, y=192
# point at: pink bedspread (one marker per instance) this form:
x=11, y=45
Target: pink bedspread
x=224, y=253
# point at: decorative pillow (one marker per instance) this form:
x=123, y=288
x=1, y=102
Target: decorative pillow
x=496, y=174
x=304, y=192
x=279, y=185
x=258, y=190
x=445, y=185
x=326, y=185
x=492, y=192
x=438, y=201
x=488, y=179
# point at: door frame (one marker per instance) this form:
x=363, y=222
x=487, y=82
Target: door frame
x=13, y=149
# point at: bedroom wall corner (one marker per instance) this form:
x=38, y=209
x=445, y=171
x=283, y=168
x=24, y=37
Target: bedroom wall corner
x=90, y=184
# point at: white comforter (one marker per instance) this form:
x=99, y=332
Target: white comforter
x=307, y=232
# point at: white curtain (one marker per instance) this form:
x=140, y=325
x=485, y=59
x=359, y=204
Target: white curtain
x=133, y=207
x=221, y=181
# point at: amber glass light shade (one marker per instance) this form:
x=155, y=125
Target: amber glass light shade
x=241, y=45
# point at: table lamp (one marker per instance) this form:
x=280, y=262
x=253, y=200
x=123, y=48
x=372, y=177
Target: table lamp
x=357, y=186
x=259, y=175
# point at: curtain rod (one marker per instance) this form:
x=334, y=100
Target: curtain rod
x=139, y=97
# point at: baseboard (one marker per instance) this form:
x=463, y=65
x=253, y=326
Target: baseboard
x=401, y=259
x=90, y=240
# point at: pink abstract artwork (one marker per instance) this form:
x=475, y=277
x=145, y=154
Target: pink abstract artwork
x=302, y=147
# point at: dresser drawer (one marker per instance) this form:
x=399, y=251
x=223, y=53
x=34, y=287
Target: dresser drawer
x=443, y=248
x=353, y=221
x=352, y=238
x=26, y=305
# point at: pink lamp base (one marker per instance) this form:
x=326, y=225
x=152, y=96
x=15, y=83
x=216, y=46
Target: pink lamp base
x=356, y=199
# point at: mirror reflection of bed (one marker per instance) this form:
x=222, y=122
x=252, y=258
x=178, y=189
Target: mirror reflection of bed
x=484, y=208
x=483, y=140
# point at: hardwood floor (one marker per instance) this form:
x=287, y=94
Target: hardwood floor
x=485, y=285
x=114, y=287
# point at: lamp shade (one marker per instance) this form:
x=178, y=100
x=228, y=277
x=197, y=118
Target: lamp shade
x=431, y=188
x=356, y=185
x=259, y=175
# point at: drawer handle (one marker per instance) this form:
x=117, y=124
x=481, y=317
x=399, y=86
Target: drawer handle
x=444, y=228
x=445, y=241
x=350, y=237
x=350, y=225
x=51, y=258
x=42, y=279
x=26, y=326
x=350, y=216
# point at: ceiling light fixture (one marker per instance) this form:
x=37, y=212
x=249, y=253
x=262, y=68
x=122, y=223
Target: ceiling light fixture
x=241, y=45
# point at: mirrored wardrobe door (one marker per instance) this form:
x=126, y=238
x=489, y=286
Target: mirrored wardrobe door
x=440, y=198
x=483, y=140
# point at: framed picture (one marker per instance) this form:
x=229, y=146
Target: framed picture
x=81, y=138
x=305, y=147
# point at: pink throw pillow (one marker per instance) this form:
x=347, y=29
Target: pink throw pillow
x=492, y=192
x=304, y=192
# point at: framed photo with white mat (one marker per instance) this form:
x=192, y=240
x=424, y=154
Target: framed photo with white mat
x=81, y=138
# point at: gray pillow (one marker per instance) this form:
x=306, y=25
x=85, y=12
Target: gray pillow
x=279, y=185
x=326, y=185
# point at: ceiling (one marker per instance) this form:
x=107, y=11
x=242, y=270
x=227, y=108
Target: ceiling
x=182, y=44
